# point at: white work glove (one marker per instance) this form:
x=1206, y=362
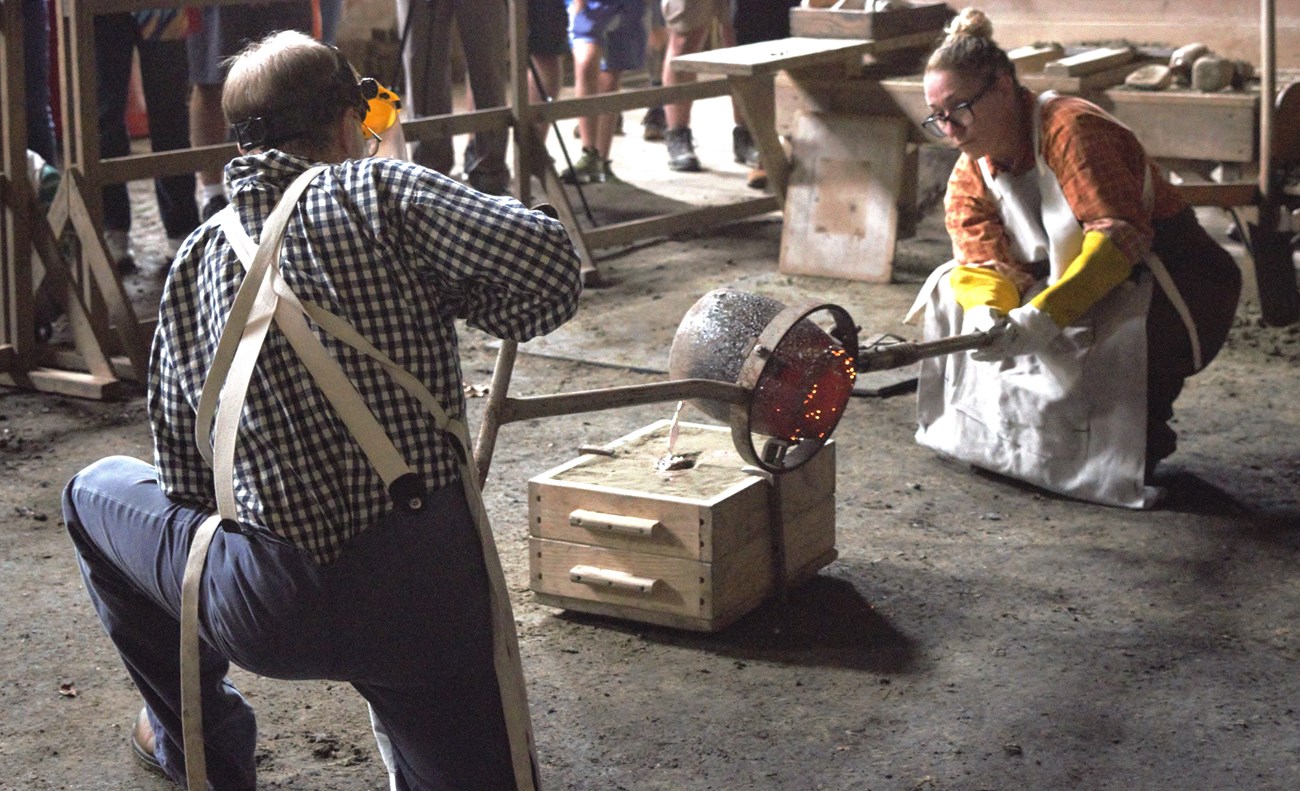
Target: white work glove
x=980, y=318
x=1024, y=330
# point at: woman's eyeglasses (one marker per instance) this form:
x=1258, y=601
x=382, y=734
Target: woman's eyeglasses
x=962, y=115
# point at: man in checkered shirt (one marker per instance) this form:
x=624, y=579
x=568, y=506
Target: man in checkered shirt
x=323, y=577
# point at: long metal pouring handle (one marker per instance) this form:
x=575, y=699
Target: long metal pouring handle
x=896, y=355
x=502, y=409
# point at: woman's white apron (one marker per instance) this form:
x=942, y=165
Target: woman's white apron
x=1070, y=419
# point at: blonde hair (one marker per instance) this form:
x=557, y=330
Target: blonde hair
x=297, y=86
x=969, y=48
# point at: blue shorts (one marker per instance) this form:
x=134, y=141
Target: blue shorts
x=617, y=27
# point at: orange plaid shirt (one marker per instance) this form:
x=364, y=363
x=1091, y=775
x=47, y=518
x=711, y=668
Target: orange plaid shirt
x=1100, y=166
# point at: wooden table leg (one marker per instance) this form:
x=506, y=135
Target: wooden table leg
x=755, y=97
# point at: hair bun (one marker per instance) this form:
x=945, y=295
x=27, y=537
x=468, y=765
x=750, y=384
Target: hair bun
x=970, y=22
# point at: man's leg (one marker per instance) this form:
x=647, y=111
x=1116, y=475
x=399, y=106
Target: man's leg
x=131, y=544
x=207, y=124
x=166, y=81
x=625, y=50
x=426, y=62
x=681, y=146
x=114, y=45
x=419, y=646
x=482, y=25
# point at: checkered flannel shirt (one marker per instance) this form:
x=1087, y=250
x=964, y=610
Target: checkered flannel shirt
x=400, y=252
x=1101, y=168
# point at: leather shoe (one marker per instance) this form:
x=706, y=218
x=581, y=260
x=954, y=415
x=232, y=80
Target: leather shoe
x=143, y=744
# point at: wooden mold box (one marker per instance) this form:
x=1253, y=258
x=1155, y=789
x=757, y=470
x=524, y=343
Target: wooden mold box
x=691, y=549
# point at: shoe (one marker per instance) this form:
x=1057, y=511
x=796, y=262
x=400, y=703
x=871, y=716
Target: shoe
x=120, y=253
x=655, y=124
x=213, y=205
x=742, y=146
x=681, y=151
x=588, y=169
x=143, y=744
x=757, y=178
x=607, y=174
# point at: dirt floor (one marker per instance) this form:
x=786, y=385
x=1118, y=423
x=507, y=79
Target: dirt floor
x=972, y=634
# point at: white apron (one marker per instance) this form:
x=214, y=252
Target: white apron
x=1070, y=419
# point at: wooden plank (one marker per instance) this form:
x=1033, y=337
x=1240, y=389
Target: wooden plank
x=840, y=23
x=1241, y=193
x=618, y=101
x=768, y=57
x=116, y=170
x=1188, y=124
x=1090, y=62
x=1031, y=59
x=69, y=383
x=842, y=208
x=1094, y=81
x=688, y=220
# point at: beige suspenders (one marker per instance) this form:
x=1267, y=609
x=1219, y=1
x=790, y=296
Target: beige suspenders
x=265, y=296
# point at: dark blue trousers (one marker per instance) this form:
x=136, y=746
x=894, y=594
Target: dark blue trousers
x=402, y=615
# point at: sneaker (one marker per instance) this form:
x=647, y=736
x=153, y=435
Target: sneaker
x=655, y=123
x=119, y=249
x=681, y=151
x=607, y=174
x=742, y=146
x=757, y=178
x=588, y=169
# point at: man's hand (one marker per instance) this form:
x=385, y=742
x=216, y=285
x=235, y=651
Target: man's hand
x=1025, y=330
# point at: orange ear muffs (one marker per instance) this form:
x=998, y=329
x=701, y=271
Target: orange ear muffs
x=382, y=105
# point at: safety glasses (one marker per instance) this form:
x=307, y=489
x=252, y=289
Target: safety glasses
x=962, y=115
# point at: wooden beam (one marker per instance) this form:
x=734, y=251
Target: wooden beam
x=1229, y=195
x=689, y=220
x=1094, y=60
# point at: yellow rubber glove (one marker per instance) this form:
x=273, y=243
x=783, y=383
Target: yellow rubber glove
x=1099, y=267
x=983, y=285
x=985, y=296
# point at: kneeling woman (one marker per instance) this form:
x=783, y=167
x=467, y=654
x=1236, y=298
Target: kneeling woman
x=1108, y=291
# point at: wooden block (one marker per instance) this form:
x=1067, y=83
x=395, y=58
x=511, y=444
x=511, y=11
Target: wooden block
x=837, y=23
x=1032, y=59
x=1151, y=77
x=1096, y=81
x=841, y=208
x=689, y=553
x=1093, y=60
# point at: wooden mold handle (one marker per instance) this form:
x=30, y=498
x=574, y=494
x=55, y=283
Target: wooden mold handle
x=609, y=578
x=633, y=526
